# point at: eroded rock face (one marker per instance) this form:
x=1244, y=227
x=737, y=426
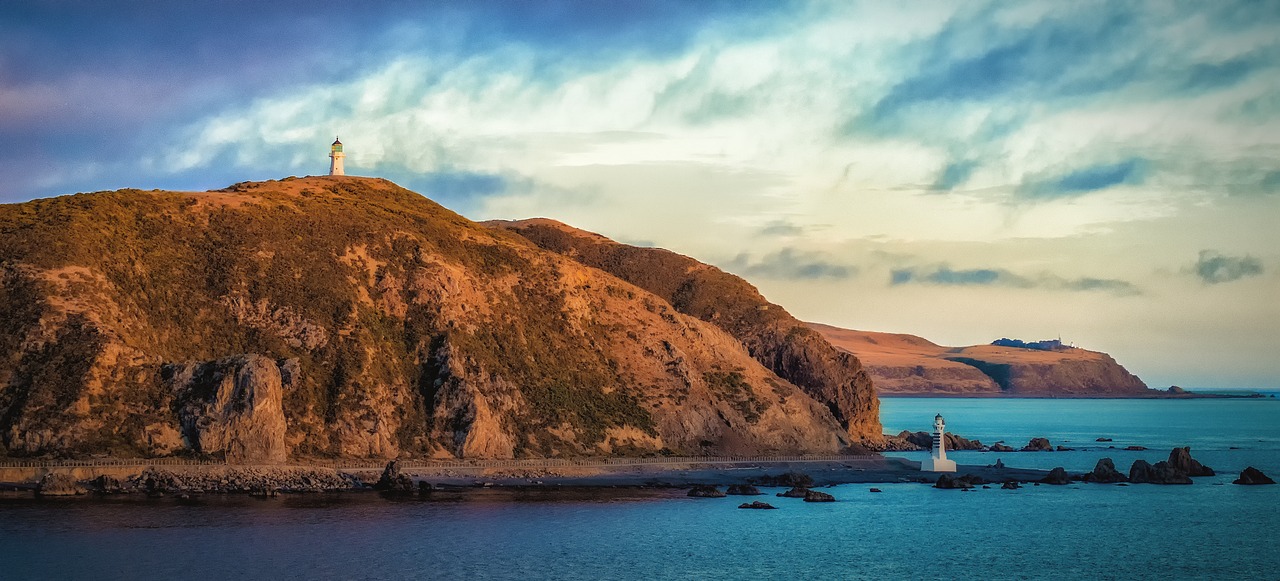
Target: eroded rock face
x=234, y=407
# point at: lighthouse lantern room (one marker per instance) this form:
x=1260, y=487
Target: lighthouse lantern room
x=937, y=460
x=335, y=158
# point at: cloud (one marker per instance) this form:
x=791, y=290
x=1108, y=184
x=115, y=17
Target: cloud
x=781, y=228
x=1087, y=179
x=944, y=275
x=791, y=264
x=1216, y=268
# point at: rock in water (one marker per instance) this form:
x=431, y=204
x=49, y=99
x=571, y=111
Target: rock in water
x=1010, y=485
x=946, y=481
x=1161, y=473
x=757, y=505
x=1057, y=476
x=1253, y=476
x=815, y=496
x=1105, y=472
x=796, y=492
x=393, y=481
x=1038, y=445
x=59, y=484
x=1001, y=447
x=1180, y=458
x=705, y=491
x=743, y=490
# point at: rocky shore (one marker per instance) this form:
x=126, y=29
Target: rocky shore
x=702, y=479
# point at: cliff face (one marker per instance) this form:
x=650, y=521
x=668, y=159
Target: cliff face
x=910, y=365
x=348, y=317
x=777, y=340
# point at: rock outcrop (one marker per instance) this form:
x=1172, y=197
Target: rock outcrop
x=1038, y=445
x=795, y=492
x=757, y=505
x=59, y=484
x=1252, y=476
x=816, y=496
x=743, y=490
x=924, y=441
x=1180, y=459
x=909, y=365
x=703, y=491
x=776, y=339
x=1105, y=472
x=346, y=317
x=1058, y=477
x=232, y=407
x=1160, y=473
x=392, y=480
x=946, y=481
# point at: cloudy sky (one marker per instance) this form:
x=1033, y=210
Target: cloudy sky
x=1104, y=172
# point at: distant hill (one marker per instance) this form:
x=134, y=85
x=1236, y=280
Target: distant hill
x=909, y=365
x=348, y=317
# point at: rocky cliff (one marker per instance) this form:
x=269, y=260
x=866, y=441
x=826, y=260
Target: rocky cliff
x=909, y=365
x=776, y=339
x=348, y=317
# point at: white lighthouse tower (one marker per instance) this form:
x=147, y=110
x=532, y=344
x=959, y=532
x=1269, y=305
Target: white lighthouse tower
x=937, y=461
x=335, y=158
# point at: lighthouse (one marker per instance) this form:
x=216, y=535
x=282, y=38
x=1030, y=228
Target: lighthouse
x=335, y=158
x=937, y=461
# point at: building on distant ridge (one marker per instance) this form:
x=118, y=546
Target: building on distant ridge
x=335, y=158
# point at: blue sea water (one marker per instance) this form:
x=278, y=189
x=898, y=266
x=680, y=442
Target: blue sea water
x=1209, y=530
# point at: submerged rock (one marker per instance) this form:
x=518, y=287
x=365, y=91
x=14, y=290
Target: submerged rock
x=1105, y=472
x=1180, y=458
x=743, y=490
x=1252, y=476
x=706, y=491
x=1135, y=448
x=815, y=496
x=757, y=505
x=1103, y=440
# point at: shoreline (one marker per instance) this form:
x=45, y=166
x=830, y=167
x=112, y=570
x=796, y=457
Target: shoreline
x=272, y=480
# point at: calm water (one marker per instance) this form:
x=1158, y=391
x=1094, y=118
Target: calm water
x=1207, y=530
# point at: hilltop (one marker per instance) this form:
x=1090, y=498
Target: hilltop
x=909, y=365
x=348, y=317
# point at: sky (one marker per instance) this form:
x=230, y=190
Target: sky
x=1103, y=172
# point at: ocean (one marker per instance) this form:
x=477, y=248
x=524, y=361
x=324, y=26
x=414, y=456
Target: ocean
x=1209, y=530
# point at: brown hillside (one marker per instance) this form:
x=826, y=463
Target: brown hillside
x=349, y=317
x=909, y=365
x=776, y=339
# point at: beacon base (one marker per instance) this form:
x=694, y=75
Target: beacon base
x=937, y=465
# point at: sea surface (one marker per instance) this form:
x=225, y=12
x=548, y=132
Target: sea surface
x=1209, y=530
